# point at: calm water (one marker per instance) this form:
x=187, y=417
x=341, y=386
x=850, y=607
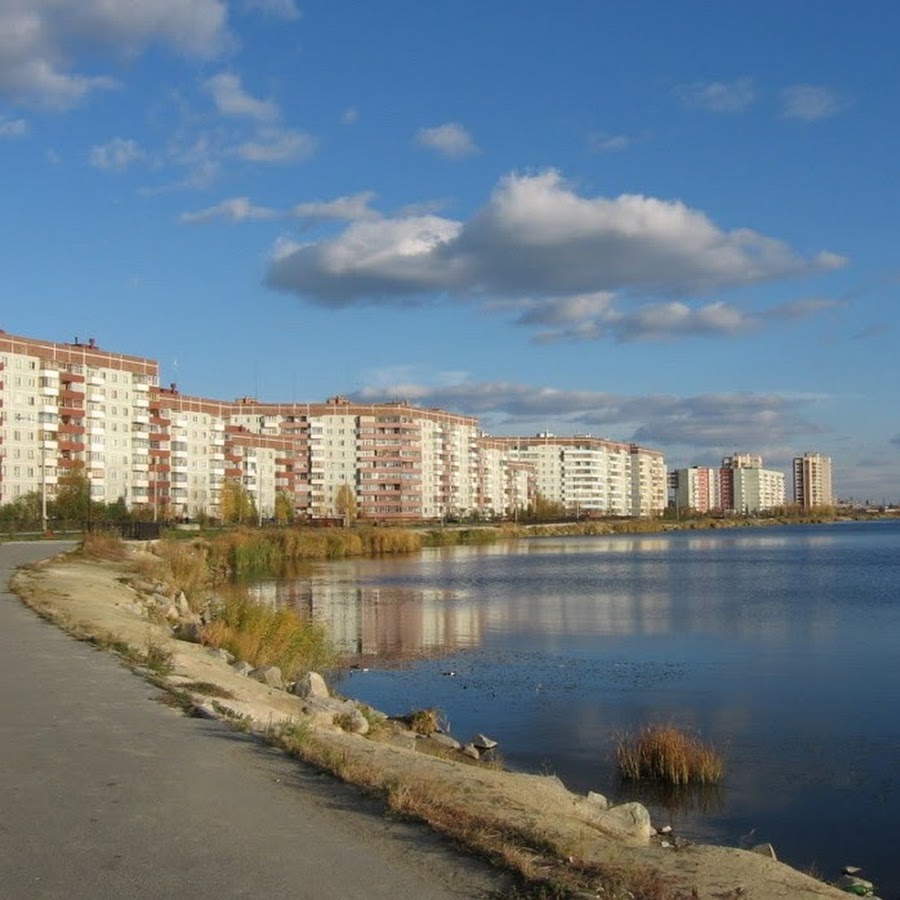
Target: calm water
x=780, y=645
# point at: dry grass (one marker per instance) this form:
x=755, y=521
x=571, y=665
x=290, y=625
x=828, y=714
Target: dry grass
x=184, y=566
x=424, y=721
x=103, y=545
x=667, y=754
x=268, y=636
x=541, y=865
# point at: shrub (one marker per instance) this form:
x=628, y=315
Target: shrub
x=665, y=753
x=268, y=636
x=424, y=721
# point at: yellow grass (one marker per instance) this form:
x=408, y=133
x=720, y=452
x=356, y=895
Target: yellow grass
x=268, y=636
x=665, y=753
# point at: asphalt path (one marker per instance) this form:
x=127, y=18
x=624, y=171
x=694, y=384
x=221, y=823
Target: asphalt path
x=107, y=793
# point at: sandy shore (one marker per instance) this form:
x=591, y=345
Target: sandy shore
x=94, y=598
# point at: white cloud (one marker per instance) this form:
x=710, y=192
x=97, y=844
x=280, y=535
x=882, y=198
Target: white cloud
x=237, y=209
x=717, y=96
x=275, y=145
x=41, y=41
x=277, y=9
x=450, y=140
x=350, y=116
x=12, y=128
x=558, y=257
x=811, y=103
x=716, y=423
x=232, y=100
x=350, y=208
x=116, y=155
x=608, y=143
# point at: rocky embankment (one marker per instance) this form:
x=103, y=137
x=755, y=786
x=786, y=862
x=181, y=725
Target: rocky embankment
x=529, y=822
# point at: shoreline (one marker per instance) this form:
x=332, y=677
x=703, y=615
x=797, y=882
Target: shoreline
x=579, y=843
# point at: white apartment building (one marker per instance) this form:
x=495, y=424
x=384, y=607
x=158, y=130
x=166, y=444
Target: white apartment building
x=75, y=407
x=812, y=480
x=740, y=485
x=593, y=476
x=72, y=407
x=756, y=490
x=698, y=489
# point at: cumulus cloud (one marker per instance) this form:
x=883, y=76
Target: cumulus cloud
x=598, y=142
x=717, y=96
x=277, y=145
x=12, y=128
x=811, y=103
x=41, y=44
x=116, y=155
x=722, y=421
x=450, y=140
x=231, y=99
x=237, y=209
x=349, y=208
x=350, y=116
x=540, y=247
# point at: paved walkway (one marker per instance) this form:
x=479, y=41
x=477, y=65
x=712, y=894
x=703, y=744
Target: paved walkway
x=105, y=793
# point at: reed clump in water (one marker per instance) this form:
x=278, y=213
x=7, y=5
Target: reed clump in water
x=668, y=754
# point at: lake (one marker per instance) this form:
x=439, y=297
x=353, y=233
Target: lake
x=780, y=645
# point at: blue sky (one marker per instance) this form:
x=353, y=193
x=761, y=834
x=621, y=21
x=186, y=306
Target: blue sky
x=665, y=222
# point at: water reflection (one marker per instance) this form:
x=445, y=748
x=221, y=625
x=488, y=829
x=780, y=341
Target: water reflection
x=778, y=646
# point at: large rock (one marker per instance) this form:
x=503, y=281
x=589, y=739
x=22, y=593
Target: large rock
x=629, y=820
x=355, y=722
x=445, y=740
x=270, y=675
x=481, y=742
x=242, y=667
x=311, y=684
x=189, y=631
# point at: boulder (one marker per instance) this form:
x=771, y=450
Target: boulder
x=445, y=740
x=182, y=604
x=189, y=631
x=223, y=654
x=471, y=750
x=311, y=684
x=269, y=675
x=627, y=819
x=242, y=667
x=355, y=722
x=483, y=743
x=597, y=800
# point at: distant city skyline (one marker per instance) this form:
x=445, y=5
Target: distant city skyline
x=663, y=223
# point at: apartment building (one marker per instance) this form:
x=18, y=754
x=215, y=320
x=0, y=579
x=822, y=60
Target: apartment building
x=593, y=476
x=698, y=488
x=812, y=480
x=505, y=486
x=740, y=484
x=68, y=406
x=74, y=406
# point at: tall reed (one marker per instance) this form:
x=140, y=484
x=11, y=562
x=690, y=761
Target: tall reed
x=268, y=636
x=667, y=754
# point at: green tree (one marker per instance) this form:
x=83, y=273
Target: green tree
x=235, y=503
x=345, y=503
x=284, y=508
x=73, y=497
x=544, y=510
